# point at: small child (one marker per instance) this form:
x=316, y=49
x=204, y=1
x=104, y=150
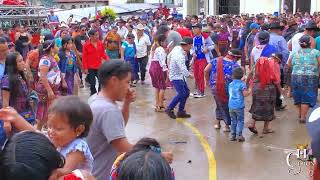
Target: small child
x=128, y=53
x=237, y=91
x=69, y=120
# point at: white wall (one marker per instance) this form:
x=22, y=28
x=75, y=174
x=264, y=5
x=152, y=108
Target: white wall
x=69, y=5
x=259, y=6
x=315, y=6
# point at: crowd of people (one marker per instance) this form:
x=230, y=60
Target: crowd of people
x=47, y=132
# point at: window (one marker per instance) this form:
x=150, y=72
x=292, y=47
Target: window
x=73, y=7
x=62, y=7
x=85, y=6
x=88, y=5
x=80, y=6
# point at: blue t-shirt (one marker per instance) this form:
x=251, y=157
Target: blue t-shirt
x=236, y=98
x=129, y=50
x=198, y=47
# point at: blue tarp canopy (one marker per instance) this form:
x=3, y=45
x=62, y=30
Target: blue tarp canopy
x=118, y=8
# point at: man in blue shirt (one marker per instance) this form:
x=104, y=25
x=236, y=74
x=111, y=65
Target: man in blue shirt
x=52, y=17
x=278, y=41
x=199, y=51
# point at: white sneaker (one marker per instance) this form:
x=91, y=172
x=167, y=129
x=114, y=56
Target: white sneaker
x=200, y=95
x=194, y=94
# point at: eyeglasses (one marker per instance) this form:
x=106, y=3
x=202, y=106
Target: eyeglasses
x=83, y=29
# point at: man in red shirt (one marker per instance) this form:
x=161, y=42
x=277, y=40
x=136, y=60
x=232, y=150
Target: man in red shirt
x=185, y=30
x=92, y=57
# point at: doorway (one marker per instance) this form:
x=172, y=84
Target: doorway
x=301, y=5
x=229, y=7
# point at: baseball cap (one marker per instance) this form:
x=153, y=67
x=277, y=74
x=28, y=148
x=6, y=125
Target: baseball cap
x=254, y=26
x=186, y=41
x=198, y=25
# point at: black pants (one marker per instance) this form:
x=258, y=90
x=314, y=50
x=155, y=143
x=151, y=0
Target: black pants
x=93, y=74
x=143, y=67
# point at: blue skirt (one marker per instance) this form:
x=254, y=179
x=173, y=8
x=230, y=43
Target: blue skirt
x=304, y=89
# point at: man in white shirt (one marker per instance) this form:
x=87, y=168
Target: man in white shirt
x=122, y=30
x=177, y=74
x=142, y=42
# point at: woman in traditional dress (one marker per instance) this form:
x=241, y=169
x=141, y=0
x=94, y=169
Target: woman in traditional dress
x=305, y=76
x=49, y=85
x=218, y=75
x=112, y=43
x=158, y=70
x=223, y=39
x=266, y=79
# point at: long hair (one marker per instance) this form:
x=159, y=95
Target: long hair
x=11, y=69
x=64, y=41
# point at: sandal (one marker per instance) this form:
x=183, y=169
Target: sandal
x=268, y=131
x=253, y=130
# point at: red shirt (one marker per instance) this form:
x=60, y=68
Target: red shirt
x=184, y=32
x=92, y=56
x=12, y=35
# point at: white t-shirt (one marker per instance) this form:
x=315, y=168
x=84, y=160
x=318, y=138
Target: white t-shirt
x=142, y=46
x=122, y=32
x=295, y=42
x=256, y=52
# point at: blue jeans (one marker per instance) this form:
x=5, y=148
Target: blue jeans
x=237, y=121
x=182, y=95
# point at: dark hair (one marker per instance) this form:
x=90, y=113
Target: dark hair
x=163, y=29
x=237, y=73
x=114, y=67
x=92, y=32
x=47, y=46
x=11, y=69
x=195, y=17
x=64, y=41
x=76, y=111
x=143, y=144
x=146, y=165
x=29, y=155
x=161, y=38
x=3, y=40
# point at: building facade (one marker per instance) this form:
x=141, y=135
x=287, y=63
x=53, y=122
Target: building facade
x=166, y=2
x=216, y=7
x=76, y=4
